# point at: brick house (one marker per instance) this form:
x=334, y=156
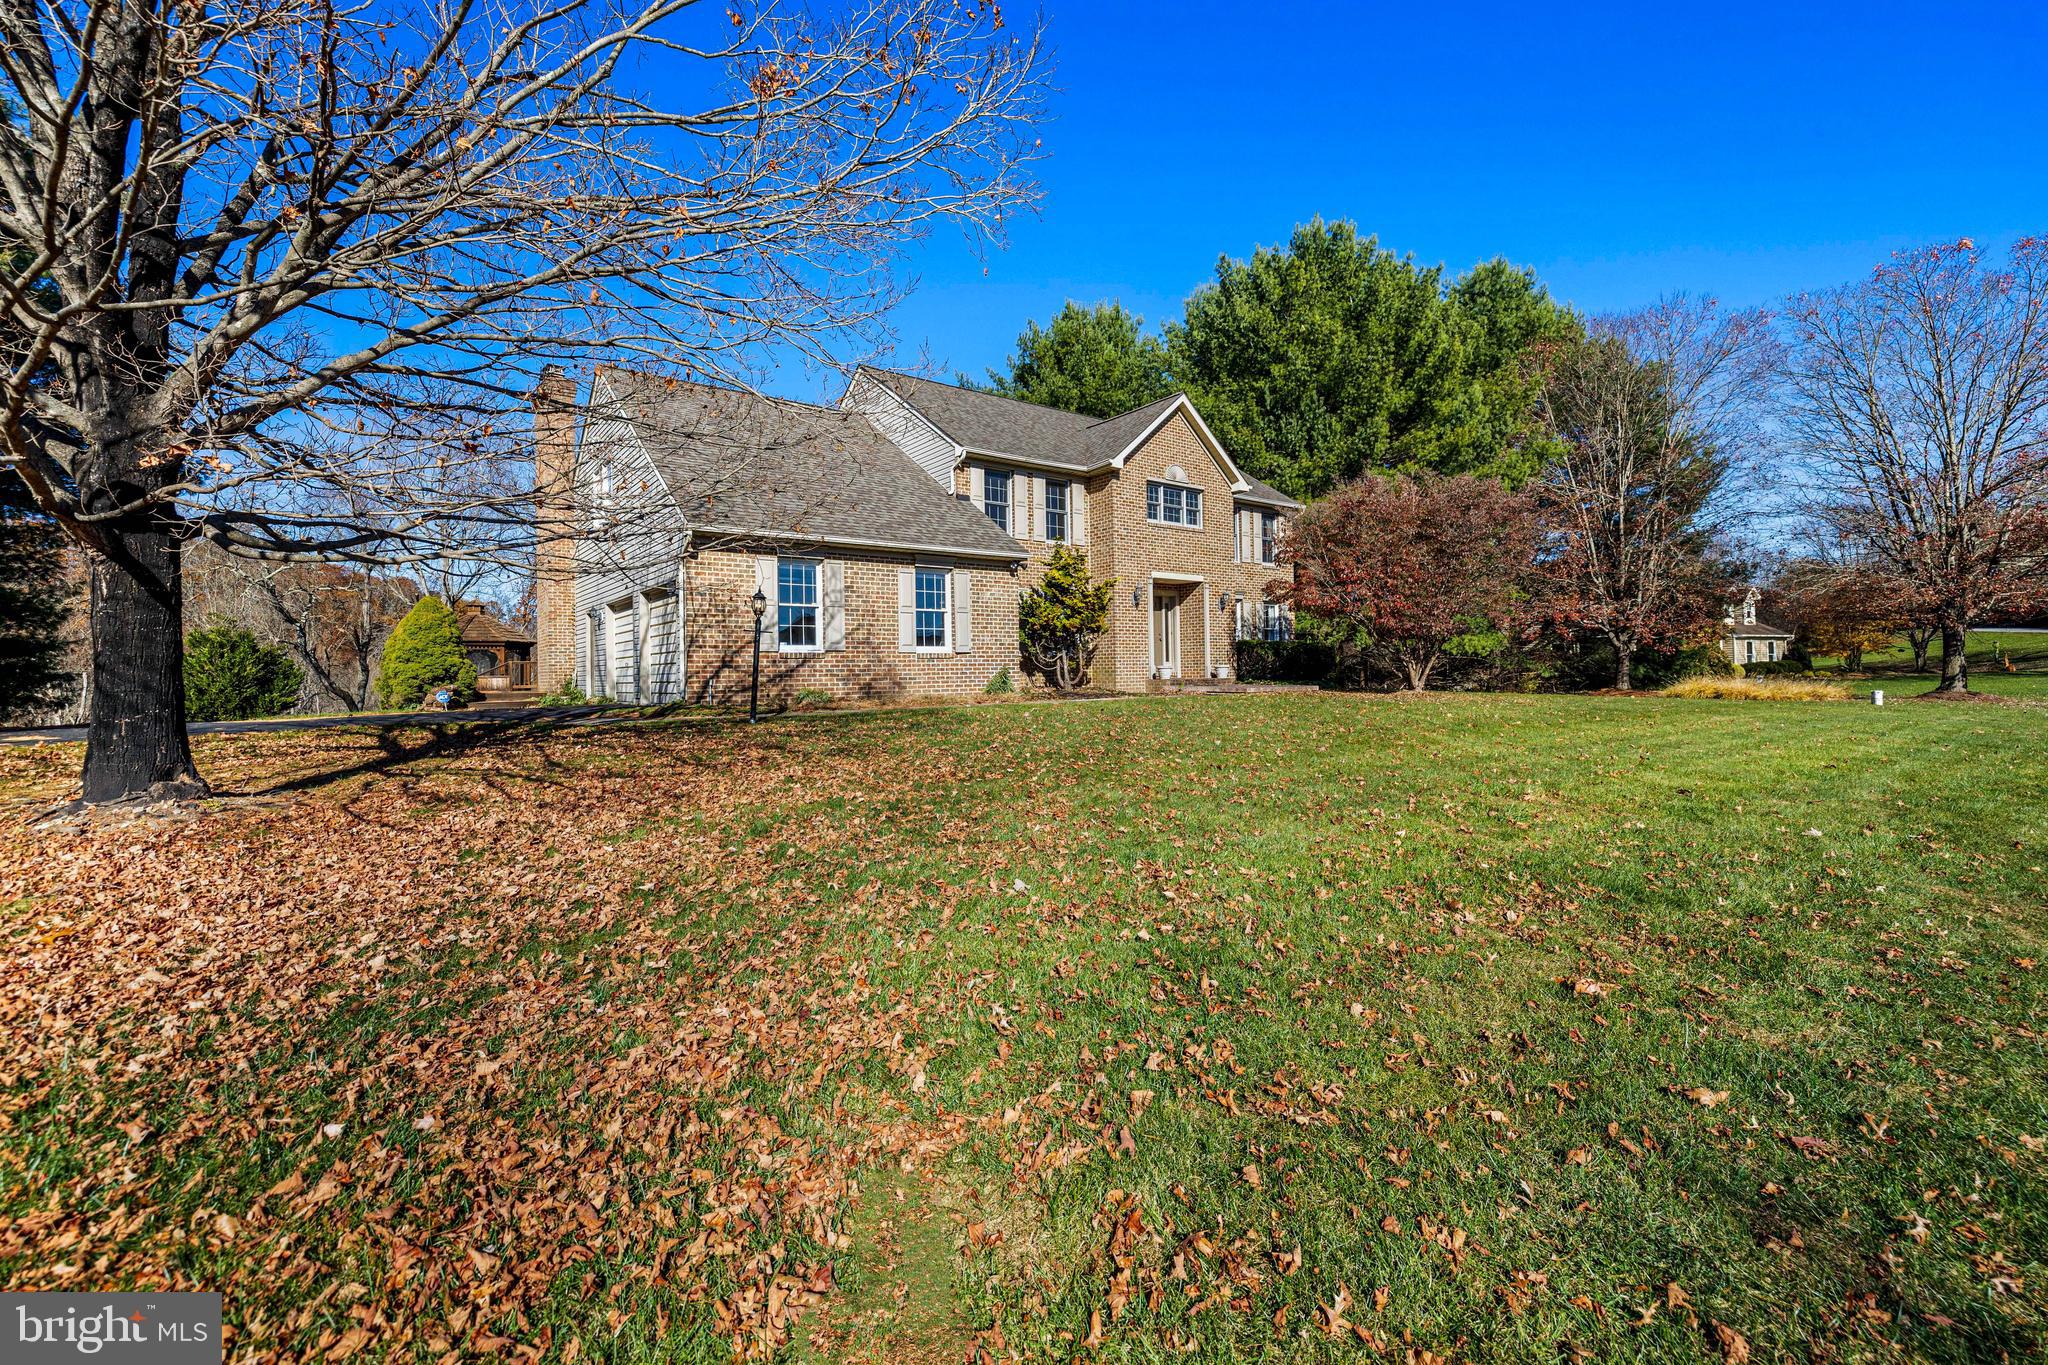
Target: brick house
x=889, y=538
x=1151, y=495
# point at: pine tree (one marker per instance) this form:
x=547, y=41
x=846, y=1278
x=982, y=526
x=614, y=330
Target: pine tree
x=35, y=598
x=231, y=675
x=1062, y=619
x=423, y=654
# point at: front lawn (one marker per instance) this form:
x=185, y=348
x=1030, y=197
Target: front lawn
x=1235, y=1028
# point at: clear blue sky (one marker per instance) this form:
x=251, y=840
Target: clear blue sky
x=1621, y=150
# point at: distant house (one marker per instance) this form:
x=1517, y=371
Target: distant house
x=1750, y=641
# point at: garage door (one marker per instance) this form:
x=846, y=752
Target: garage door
x=664, y=665
x=625, y=633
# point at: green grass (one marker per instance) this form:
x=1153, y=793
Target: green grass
x=1989, y=652
x=1426, y=995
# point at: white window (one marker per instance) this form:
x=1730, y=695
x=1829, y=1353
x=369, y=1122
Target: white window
x=601, y=493
x=1771, y=650
x=1056, y=510
x=1749, y=651
x=796, y=604
x=929, y=624
x=995, y=496
x=1273, y=621
x=1172, y=505
x=1269, y=537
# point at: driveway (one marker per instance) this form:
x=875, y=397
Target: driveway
x=382, y=720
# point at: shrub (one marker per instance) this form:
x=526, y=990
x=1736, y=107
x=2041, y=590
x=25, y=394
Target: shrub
x=1292, y=661
x=1061, y=620
x=1705, y=661
x=1779, y=668
x=231, y=675
x=810, y=699
x=568, y=694
x=1757, y=689
x=1000, y=685
x=423, y=654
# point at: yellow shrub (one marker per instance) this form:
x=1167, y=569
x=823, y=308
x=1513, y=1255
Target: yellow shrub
x=1758, y=689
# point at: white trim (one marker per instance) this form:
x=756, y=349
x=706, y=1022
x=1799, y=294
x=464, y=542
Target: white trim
x=1162, y=576
x=1238, y=482
x=1028, y=462
x=740, y=536
x=945, y=573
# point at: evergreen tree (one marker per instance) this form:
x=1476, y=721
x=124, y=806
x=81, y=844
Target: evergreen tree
x=35, y=598
x=1096, y=361
x=231, y=675
x=1062, y=619
x=1331, y=358
x=423, y=654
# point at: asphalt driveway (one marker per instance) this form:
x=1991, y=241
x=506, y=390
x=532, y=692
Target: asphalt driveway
x=382, y=720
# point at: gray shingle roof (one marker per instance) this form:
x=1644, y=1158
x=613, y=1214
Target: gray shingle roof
x=1758, y=630
x=743, y=464
x=995, y=425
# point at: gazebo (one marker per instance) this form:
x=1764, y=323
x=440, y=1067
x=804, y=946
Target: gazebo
x=502, y=653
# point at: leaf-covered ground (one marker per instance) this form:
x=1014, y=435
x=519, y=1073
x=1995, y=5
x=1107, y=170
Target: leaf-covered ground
x=1234, y=1028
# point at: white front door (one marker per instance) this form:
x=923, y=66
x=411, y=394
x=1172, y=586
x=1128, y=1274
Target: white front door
x=1165, y=636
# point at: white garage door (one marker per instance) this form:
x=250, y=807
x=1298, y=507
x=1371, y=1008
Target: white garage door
x=625, y=633
x=664, y=670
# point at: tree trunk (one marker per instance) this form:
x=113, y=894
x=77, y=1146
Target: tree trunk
x=1624, y=673
x=135, y=744
x=1420, y=666
x=1955, y=665
x=1920, y=637
x=1852, y=661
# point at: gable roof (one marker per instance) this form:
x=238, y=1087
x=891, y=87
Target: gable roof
x=991, y=424
x=481, y=626
x=742, y=464
x=1739, y=629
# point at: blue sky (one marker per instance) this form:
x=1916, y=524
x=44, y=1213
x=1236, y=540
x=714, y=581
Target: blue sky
x=1619, y=150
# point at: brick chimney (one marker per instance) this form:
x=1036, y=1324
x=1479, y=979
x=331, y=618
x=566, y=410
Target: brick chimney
x=554, y=556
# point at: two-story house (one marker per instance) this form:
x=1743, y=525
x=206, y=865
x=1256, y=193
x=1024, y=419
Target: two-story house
x=884, y=542
x=1152, y=496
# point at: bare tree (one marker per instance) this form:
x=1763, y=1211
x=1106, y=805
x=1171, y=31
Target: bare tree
x=296, y=265
x=1919, y=398
x=1650, y=412
x=333, y=618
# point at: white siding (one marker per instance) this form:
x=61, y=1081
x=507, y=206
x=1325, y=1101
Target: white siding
x=664, y=654
x=638, y=546
x=904, y=428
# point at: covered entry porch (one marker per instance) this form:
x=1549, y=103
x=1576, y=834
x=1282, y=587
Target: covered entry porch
x=1185, y=638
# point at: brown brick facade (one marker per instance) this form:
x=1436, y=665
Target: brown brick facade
x=1123, y=545
x=718, y=626
x=554, y=556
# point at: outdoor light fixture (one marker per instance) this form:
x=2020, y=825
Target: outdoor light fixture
x=1223, y=604
x=1137, y=597
x=760, y=604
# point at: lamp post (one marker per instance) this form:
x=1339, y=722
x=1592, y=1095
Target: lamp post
x=760, y=604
